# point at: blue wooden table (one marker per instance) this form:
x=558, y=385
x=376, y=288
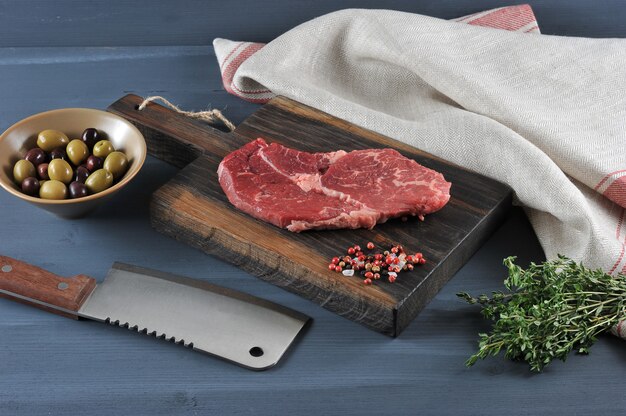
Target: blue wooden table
x=51, y=365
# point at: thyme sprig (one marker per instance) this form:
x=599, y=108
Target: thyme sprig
x=549, y=310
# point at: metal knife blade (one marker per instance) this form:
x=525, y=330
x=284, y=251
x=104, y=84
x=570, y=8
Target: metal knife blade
x=247, y=330
x=244, y=329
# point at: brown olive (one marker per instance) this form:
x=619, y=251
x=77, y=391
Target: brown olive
x=36, y=156
x=51, y=139
x=53, y=190
x=93, y=163
x=42, y=171
x=77, y=151
x=90, y=137
x=78, y=190
x=117, y=164
x=99, y=181
x=60, y=170
x=103, y=148
x=22, y=170
x=30, y=186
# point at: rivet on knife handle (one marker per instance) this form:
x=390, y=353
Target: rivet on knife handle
x=29, y=284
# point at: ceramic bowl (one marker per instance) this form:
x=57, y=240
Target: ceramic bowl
x=22, y=136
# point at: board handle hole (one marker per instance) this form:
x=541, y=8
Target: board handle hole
x=256, y=351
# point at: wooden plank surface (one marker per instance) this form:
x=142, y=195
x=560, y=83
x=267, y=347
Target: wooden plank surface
x=53, y=366
x=197, y=22
x=194, y=209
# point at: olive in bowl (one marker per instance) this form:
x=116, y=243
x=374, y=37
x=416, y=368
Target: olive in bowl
x=58, y=185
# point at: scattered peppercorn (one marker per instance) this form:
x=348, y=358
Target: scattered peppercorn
x=373, y=266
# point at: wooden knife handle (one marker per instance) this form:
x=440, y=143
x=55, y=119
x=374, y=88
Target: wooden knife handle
x=28, y=281
x=173, y=137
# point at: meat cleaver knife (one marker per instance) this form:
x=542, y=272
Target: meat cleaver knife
x=249, y=331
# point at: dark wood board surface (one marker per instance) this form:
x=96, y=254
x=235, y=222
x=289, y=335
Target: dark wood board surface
x=193, y=208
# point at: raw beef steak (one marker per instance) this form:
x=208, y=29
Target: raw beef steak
x=301, y=191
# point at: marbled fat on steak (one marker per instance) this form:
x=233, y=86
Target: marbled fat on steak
x=302, y=191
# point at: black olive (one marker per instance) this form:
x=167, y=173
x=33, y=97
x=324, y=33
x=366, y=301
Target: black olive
x=90, y=137
x=36, y=156
x=78, y=190
x=81, y=174
x=30, y=186
x=58, y=153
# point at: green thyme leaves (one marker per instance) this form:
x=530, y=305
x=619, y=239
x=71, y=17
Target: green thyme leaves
x=549, y=310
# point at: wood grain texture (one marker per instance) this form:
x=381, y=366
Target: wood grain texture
x=197, y=22
x=22, y=279
x=193, y=208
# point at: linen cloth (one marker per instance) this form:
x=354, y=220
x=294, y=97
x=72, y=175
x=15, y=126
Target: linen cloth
x=544, y=114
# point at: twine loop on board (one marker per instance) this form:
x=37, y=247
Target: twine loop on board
x=210, y=116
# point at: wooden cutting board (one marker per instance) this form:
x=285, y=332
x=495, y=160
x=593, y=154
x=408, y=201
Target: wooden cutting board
x=192, y=208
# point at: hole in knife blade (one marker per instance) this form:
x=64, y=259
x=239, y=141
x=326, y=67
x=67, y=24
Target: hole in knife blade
x=256, y=351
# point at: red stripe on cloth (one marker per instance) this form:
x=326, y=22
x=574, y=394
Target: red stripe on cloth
x=229, y=72
x=502, y=22
x=606, y=178
x=617, y=234
x=616, y=191
x=246, y=53
x=230, y=54
x=509, y=18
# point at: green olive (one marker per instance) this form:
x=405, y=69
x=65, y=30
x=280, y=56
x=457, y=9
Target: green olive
x=60, y=170
x=77, y=151
x=53, y=190
x=103, y=148
x=49, y=140
x=99, y=181
x=22, y=170
x=117, y=164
